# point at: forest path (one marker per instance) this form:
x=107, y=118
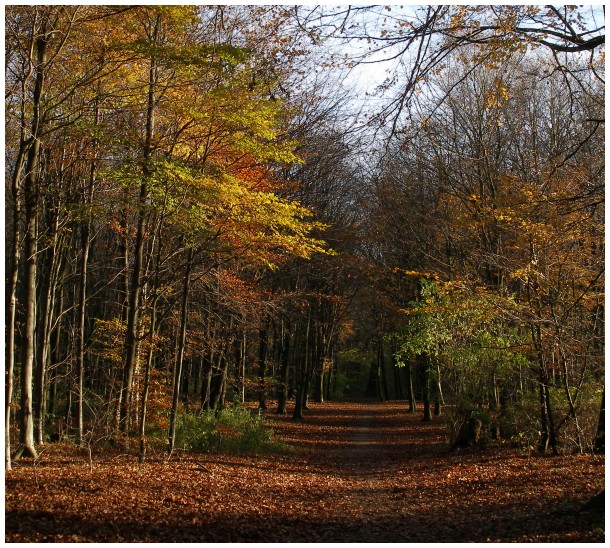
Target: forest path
x=360, y=450
x=357, y=471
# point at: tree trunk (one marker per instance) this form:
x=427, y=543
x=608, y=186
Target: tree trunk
x=425, y=364
x=262, y=353
x=15, y=255
x=218, y=396
x=31, y=252
x=548, y=435
x=149, y=361
x=180, y=353
x=82, y=292
x=410, y=390
x=206, y=385
x=438, y=393
x=80, y=332
x=131, y=342
x=318, y=366
x=282, y=398
x=244, y=359
x=52, y=270
x=13, y=277
x=302, y=373
x=600, y=442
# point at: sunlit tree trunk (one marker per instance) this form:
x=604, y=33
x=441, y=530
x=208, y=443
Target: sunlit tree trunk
x=31, y=197
x=262, y=354
x=318, y=361
x=284, y=361
x=180, y=353
x=131, y=342
x=410, y=389
x=438, y=393
x=11, y=293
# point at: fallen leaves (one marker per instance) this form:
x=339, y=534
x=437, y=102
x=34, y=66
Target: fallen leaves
x=358, y=472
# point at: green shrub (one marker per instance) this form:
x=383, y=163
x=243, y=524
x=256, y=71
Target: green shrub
x=520, y=423
x=587, y=411
x=233, y=429
x=196, y=432
x=337, y=387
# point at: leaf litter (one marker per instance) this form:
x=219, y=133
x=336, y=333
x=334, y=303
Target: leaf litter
x=357, y=471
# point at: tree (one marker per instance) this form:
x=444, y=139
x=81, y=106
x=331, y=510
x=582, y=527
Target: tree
x=155, y=135
x=424, y=39
x=501, y=158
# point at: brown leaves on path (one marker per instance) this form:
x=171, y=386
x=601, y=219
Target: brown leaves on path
x=357, y=472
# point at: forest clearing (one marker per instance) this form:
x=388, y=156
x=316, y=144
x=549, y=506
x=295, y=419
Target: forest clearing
x=360, y=471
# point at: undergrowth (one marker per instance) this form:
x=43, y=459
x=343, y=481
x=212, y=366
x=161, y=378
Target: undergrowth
x=233, y=429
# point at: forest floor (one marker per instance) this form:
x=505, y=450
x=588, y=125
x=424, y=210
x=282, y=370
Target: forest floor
x=357, y=471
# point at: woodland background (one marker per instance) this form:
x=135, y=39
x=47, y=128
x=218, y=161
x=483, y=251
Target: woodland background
x=202, y=209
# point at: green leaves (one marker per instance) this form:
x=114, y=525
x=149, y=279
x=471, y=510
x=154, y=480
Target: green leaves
x=464, y=329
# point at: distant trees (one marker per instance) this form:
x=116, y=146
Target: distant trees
x=504, y=180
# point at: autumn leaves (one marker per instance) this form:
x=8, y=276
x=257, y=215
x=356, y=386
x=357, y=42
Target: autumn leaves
x=149, y=137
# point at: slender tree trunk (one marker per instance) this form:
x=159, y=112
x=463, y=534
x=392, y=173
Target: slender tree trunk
x=318, y=370
x=550, y=415
x=31, y=252
x=80, y=332
x=42, y=355
x=58, y=353
x=543, y=442
x=82, y=292
x=244, y=359
x=47, y=315
x=180, y=354
x=548, y=436
x=218, y=395
x=206, y=386
x=302, y=384
x=600, y=441
x=262, y=353
x=131, y=342
x=438, y=393
x=216, y=382
x=145, y=390
x=572, y=406
x=410, y=389
x=284, y=360
x=425, y=364
x=13, y=279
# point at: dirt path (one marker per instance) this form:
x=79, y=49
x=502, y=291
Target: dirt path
x=358, y=472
